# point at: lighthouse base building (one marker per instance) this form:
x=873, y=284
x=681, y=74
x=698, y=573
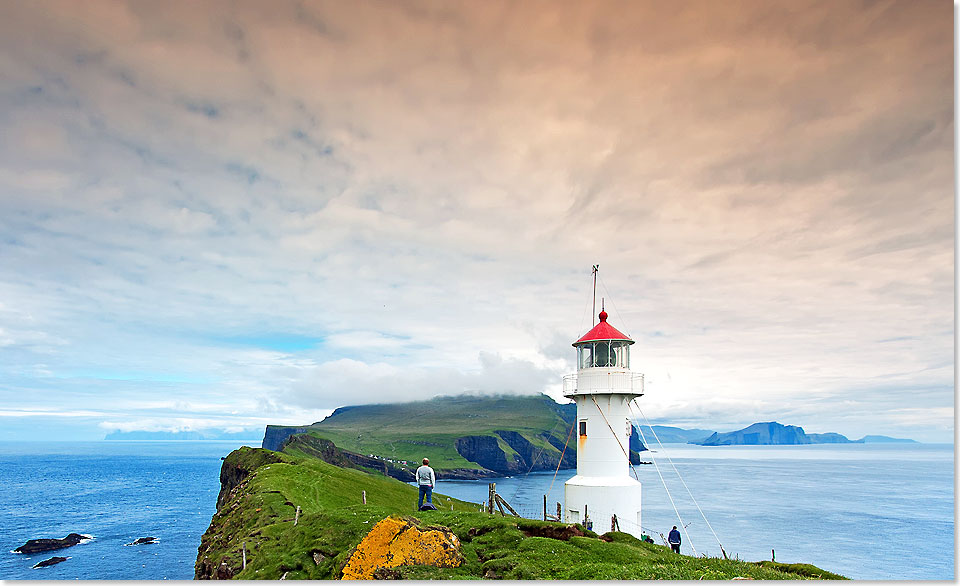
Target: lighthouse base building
x=603, y=491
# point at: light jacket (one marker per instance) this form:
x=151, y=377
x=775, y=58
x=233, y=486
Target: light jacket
x=426, y=477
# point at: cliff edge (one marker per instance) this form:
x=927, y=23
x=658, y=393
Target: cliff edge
x=294, y=516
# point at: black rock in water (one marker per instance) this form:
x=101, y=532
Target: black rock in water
x=50, y=562
x=144, y=540
x=41, y=545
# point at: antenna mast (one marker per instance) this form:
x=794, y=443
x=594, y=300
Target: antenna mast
x=594, y=312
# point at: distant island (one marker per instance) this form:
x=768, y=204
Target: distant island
x=772, y=433
x=882, y=439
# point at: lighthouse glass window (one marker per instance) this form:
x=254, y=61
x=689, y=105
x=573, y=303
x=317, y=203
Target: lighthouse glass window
x=585, y=355
x=622, y=352
x=604, y=354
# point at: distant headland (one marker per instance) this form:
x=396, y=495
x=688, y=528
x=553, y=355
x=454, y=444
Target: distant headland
x=496, y=432
x=772, y=433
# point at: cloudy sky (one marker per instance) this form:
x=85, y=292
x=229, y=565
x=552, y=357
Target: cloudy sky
x=219, y=215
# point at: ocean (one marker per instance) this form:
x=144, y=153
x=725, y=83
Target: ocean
x=866, y=511
x=115, y=491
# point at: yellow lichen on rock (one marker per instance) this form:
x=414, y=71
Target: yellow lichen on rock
x=395, y=542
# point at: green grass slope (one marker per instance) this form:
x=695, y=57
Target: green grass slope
x=412, y=431
x=258, y=514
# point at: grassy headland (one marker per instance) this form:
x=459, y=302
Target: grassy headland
x=257, y=513
x=505, y=434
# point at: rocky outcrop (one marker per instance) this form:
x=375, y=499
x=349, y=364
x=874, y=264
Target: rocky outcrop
x=394, y=542
x=485, y=450
x=635, y=444
x=237, y=466
x=275, y=436
x=535, y=458
x=41, y=545
x=50, y=562
x=526, y=451
x=205, y=570
x=143, y=541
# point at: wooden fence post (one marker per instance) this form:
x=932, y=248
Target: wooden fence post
x=296, y=517
x=559, y=513
x=544, y=507
x=244, y=555
x=492, y=493
x=364, y=495
x=502, y=501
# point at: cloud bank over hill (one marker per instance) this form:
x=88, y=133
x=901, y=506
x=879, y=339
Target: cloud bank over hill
x=222, y=215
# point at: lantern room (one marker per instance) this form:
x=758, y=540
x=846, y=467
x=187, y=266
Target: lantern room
x=603, y=347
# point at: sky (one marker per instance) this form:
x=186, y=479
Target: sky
x=222, y=215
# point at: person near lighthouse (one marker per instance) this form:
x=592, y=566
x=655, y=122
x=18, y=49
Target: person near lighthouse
x=674, y=539
x=426, y=480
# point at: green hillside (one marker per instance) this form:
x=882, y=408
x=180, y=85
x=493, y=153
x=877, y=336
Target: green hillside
x=262, y=489
x=397, y=431
x=505, y=434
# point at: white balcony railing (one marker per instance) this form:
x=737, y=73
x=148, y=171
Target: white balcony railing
x=603, y=381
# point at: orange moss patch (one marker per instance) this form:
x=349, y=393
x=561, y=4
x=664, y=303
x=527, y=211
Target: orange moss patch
x=395, y=542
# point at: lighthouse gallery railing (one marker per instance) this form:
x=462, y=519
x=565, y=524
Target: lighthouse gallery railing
x=600, y=382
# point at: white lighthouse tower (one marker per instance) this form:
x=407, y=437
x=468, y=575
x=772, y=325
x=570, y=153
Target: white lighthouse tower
x=602, y=389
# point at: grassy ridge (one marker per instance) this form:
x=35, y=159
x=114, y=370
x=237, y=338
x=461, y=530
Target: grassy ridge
x=260, y=513
x=411, y=431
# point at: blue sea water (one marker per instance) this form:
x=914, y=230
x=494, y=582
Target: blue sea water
x=865, y=511
x=115, y=491
x=868, y=511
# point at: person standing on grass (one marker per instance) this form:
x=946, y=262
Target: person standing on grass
x=674, y=539
x=426, y=480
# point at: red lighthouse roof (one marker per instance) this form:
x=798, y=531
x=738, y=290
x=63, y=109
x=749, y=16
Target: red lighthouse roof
x=603, y=331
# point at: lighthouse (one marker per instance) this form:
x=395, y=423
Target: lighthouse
x=602, y=388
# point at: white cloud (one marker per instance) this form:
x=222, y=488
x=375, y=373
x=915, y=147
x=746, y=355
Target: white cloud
x=430, y=187
x=39, y=412
x=179, y=424
x=346, y=381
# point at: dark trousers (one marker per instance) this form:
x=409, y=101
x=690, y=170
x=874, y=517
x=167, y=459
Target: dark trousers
x=425, y=490
x=675, y=547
